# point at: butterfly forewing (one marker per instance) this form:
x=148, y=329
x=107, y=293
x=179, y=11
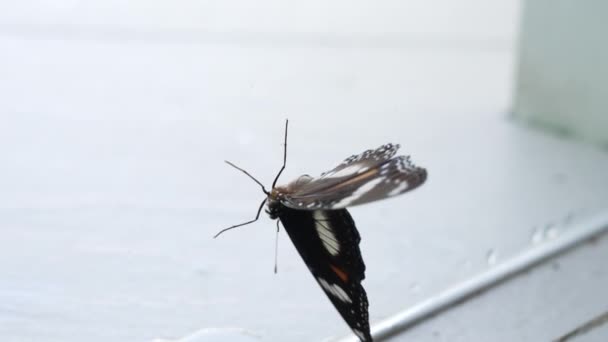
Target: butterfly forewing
x=370, y=176
x=362, y=161
x=328, y=242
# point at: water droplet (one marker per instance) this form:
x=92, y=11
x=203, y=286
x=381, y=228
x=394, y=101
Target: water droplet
x=491, y=257
x=569, y=218
x=538, y=235
x=551, y=231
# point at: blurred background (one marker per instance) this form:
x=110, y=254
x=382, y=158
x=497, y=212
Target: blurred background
x=116, y=117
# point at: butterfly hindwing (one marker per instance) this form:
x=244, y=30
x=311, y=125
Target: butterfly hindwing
x=328, y=242
x=370, y=176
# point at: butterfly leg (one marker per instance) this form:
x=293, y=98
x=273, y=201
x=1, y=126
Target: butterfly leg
x=257, y=216
x=276, y=249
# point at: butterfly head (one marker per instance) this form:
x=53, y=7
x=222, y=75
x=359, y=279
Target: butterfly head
x=273, y=201
x=278, y=194
x=273, y=210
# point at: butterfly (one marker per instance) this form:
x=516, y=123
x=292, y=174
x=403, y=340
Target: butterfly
x=314, y=215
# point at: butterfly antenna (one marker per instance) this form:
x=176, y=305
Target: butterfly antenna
x=250, y=176
x=257, y=216
x=276, y=249
x=284, y=156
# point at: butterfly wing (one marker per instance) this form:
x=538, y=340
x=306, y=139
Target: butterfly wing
x=328, y=242
x=369, y=176
x=366, y=159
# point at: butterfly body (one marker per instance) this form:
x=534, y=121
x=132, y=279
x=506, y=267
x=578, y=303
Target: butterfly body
x=314, y=215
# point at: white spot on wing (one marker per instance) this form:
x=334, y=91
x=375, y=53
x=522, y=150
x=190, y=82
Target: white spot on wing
x=345, y=172
x=398, y=189
x=340, y=293
x=334, y=290
x=328, y=238
x=362, y=190
x=359, y=334
x=363, y=169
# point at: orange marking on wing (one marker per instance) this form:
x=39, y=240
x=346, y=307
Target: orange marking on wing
x=340, y=273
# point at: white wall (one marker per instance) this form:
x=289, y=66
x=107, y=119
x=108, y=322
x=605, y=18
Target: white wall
x=467, y=18
x=563, y=67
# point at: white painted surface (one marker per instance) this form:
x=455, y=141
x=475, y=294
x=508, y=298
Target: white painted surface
x=508, y=270
x=563, y=68
x=467, y=22
x=113, y=181
x=541, y=305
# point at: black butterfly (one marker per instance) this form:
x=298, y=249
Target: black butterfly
x=312, y=210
